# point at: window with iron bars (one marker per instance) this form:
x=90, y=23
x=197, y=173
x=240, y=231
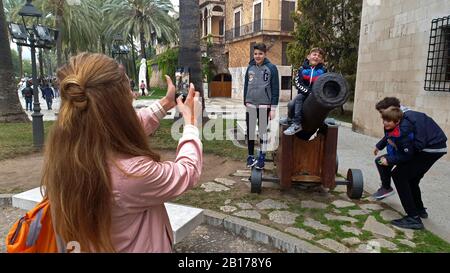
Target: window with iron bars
x=437, y=77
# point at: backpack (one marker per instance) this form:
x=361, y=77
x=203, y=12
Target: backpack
x=33, y=233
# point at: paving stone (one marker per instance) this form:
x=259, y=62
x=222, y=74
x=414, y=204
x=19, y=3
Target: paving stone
x=244, y=171
x=385, y=244
x=407, y=243
x=253, y=214
x=283, y=217
x=389, y=215
x=225, y=181
x=333, y=245
x=342, y=204
x=344, y=196
x=337, y=211
x=245, y=180
x=340, y=189
x=365, y=248
x=309, y=204
x=409, y=233
x=371, y=207
x=372, y=225
x=352, y=230
x=228, y=208
x=244, y=205
x=267, y=185
x=316, y=225
x=271, y=204
x=340, y=218
x=214, y=187
x=357, y=212
x=301, y=233
x=241, y=174
x=228, y=201
x=351, y=241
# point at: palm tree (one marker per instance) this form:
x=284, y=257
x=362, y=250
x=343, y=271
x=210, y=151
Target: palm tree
x=142, y=17
x=10, y=108
x=190, y=54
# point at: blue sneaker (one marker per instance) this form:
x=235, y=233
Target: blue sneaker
x=261, y=161
x=251, y=161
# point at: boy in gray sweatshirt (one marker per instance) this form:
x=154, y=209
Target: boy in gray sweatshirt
x=261, y=94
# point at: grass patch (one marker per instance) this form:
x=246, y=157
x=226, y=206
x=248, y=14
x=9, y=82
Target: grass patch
x=16, y=139
x=155, y=93
x=225, y=148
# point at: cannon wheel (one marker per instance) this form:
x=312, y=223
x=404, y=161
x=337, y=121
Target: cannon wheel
x=256, y=181
x=355, y=184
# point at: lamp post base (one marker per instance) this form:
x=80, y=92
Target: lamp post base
x=38, y=130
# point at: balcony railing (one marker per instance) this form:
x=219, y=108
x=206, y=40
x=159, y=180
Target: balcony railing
x=259, y=26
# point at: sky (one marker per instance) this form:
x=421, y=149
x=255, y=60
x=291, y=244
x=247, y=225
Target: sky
x=26, y=51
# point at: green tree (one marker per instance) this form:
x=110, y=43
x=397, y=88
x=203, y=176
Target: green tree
x=150, y=19
x=10, y=108
x=333, y=25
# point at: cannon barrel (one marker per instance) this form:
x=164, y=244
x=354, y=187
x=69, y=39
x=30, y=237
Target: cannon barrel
x=330, y=91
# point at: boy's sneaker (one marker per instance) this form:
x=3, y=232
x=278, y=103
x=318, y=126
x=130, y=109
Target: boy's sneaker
x=408, y=222
x=251, y=161
x=285, y=121
x=261, y=161
x=293, y=129
x=423, y=213
x=383, y=193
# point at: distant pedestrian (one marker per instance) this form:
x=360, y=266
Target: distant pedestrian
x=48, y=95
x=142, y=87
x=27, y=93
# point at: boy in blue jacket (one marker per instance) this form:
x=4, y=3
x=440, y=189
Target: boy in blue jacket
x=261, y=95
x=308, y=73
x=430, y=144
x=398, y=141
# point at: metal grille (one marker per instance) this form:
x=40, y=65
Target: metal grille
x=437, y=76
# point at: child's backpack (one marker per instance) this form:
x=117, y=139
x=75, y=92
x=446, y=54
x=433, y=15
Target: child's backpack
x=33, y=233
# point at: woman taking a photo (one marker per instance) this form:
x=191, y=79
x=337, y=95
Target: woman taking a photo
x=105, y=185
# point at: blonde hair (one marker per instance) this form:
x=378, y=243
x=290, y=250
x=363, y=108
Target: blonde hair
x=392, y=113
x=96, y=121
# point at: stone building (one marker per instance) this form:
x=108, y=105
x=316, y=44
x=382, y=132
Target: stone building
x=232, y=27
x=404, y=52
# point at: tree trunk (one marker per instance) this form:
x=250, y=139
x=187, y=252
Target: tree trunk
x=19, y=51
x=58, y=25
x=41, y=64
x=144, y=55
x=133, y=52
x=190, y=54
x=10, y=108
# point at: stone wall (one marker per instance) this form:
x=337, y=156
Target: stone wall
x=394, y=42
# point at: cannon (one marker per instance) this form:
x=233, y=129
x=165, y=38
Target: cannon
x=303, y=158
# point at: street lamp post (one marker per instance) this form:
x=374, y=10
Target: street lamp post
x=36, y=36
x=119, y=48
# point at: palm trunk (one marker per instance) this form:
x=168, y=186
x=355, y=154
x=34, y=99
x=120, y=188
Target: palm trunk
x=58, y=25
x=144, y=55
x=19, y=50
x=134, y=60
x=10, y=108
x=190, y=54
x=41, y=64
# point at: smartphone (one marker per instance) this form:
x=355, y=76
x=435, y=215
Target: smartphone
x=182, y=80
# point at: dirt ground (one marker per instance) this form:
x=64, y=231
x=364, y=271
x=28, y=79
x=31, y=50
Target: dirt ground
x=24, y=173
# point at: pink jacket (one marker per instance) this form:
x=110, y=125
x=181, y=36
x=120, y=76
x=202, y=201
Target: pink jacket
x=139, y=219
